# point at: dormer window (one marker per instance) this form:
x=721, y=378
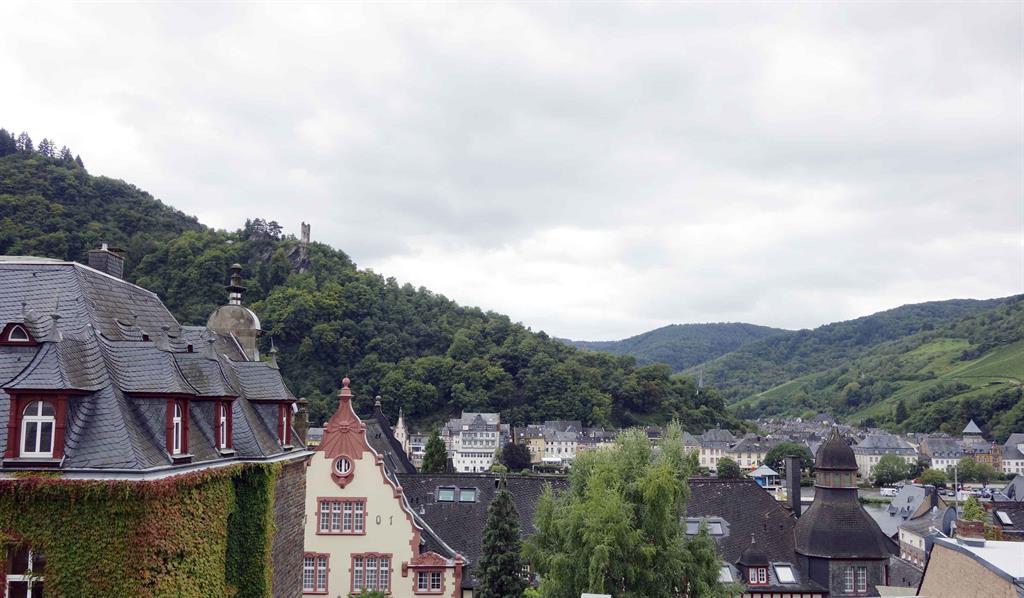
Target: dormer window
x=222, y=421
x=284, y=416
x=37, y=430
x=758, y=576
x=176, y=430
x=16, y=334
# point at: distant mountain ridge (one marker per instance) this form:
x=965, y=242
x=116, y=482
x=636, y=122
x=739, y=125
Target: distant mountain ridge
x=681, y=346
x=768, y=362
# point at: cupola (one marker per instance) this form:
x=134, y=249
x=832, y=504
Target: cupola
x=236, y=320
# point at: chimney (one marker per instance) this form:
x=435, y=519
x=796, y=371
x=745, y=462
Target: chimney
x=107, y=260
x=793, y=483
x=933, y=496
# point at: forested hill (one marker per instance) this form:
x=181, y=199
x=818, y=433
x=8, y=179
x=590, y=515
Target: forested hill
x=681, y=346
x=766, y=363
x=329, y=319
x=937, y=379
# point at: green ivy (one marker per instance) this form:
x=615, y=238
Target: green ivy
x=181, y=536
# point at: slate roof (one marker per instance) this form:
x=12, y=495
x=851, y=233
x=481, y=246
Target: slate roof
x=883, y=444
x=1013, y=490
x=382, y=438
x=971, y=428
x=117, y=381
x=942, y=447
x=460, y=524
x=750, y=512
x=1014, y=510
x=910, y=502
x=1010, y=447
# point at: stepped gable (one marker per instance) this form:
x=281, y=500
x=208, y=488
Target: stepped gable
x=836, y=525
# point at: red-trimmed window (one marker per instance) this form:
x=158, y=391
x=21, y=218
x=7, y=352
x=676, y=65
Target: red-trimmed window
x=18, y=334
x=222, y=424
x=758, y=576
x=177, y=428
x=371, y=572
x=38, y=423
x=314, y=573
x=339, y=516
x=429, y=581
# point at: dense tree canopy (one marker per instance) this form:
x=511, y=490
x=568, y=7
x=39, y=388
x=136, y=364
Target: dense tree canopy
x=435, y=456
x=728, y=469
x=889, y=470
x=776, y=456
x=329, y=319
x=516, y=457
x=617, y=528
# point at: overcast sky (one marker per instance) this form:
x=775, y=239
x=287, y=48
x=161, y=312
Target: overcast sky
x=592, y=170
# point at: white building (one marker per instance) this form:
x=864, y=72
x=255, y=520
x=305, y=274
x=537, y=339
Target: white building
x=472, y=440
x=1013, y=454
x=560, y=446
x=875, y=446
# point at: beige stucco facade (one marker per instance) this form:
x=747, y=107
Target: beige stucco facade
x=951, y=574
x=388, y=528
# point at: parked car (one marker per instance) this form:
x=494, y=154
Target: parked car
x=887, y=491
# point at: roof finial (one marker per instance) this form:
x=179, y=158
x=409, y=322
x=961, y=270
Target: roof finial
x=345, y=394
x=376, y=401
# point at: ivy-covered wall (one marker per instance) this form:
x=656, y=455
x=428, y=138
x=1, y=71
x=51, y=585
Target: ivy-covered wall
x=199, y=534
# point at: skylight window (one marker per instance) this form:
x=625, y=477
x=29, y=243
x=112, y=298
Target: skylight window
x=467, y=494
x=715, y=528
x=446, y=495
x=785, y=574
x=692, y=527
x=1004, y=517
x=725, y=575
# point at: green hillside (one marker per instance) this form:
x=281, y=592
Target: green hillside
x=769, y=362
x=329, y=319
x=681, y=346
x=934, y=380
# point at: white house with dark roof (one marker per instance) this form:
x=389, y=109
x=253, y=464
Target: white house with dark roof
x=1013, y=454
x=875, y=446
x=472, y=441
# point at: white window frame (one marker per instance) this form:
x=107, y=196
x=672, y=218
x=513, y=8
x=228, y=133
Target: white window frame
x=862, y=580
x=23, y=337
x=176, y=415
x=848, y=580
x=39, y=420
x=308, y=573
x=222, y=411
x=762, y=576
x=28, y=577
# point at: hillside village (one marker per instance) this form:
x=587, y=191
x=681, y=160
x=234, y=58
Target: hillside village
x=116, y=409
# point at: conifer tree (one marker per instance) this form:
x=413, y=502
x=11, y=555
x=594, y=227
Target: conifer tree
x=8, y=145
x=435, y=457
x=973, y=511
x=25, y=143
x=45, y=148
x=65, y=155
x=501, y=567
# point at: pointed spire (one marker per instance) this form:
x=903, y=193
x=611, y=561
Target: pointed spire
x=273, y=354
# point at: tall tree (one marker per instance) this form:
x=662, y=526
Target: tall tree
x=728, y=469
x=889, y=470
x=776, y=457
x=65, y=155
x=45, y=148
x=901, y=412
x=501, y=566
x=516, y=457
x=617, y=528
x=25, y=143
x=8, y=144
x=435, y=456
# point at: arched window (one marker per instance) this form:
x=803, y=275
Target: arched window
x=18, y=334
x=37, y=427
x=222, y=423
x=176, y=430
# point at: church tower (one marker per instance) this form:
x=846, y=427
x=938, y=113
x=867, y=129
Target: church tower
x=402, y=433
x=841, y=546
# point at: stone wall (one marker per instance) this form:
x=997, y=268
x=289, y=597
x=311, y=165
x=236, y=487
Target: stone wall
x=289, y=516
